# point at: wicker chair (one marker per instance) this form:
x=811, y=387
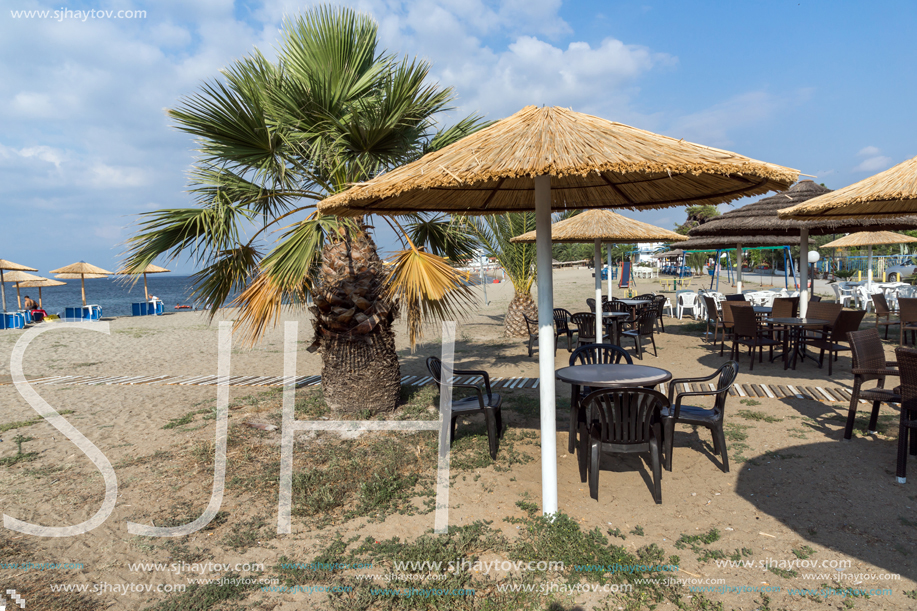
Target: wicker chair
x=746, y=332
x=711, y=418
x=644, y=327
x=562, y=327
x=880, y=303
x=847, y=321
x=728, y=321
x=590, y=354
x=712, y=315
x=869, y=364
x=473, y=405
x=628, y=420
x=907, y=425
x=585, y=324
x=907, y=317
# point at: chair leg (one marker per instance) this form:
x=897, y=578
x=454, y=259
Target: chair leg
x=571, y=438
x=452, y=430
x=639, y=347
x=830, y=363
x=491, y=420
x=531, y=341
x=498, y=416
x=668, y=436
x=874, y=418
x=657, y=472
x=901, y=470
x=852, y=412
x=594, y=457
x=718, y=432
x=583, y=452
x=821, y=359
x=653, y=339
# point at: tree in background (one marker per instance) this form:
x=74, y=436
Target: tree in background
x=274, y=139
x=494, y=232
x=697, y=216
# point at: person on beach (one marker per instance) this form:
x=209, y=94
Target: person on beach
x=30, y=304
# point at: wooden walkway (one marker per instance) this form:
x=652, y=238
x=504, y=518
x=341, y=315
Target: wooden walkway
x=752, y=391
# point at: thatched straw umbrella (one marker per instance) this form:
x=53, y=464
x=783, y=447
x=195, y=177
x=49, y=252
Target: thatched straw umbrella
x=678, y=252
x=14, y=267
x=149, y=269
x=870, y=239
x=599, y=226
x=40, y=284
x=83, y=270
x=887, y=194
x=761, y=219
x=553, y=158
x=18, y=278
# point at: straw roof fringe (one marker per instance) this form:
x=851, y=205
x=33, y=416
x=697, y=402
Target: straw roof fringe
x=678, y=252
x=81, y=268
x=20, y=277
x=728, y=242
x=606, y=226
x=870, y=238
x=9, y=265
x=594, y=163
x=149, y=269
x=892, y=192
x=40, y=283
x=760, y=218
x=78, y=276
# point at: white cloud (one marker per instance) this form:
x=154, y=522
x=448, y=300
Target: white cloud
x=868, y=151
x=106, y=176
x=874, y=164
x=712, y=125
x=44, y=153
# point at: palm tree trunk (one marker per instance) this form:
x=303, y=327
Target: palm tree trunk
x=353, y=327
x=514, y=325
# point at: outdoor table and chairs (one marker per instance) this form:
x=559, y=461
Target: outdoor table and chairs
x=614, y=320
x=795, y=328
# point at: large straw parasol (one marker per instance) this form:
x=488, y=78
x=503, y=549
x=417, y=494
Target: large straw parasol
x=553, y=158
x=761, y=219
x=887, y=194
x=599, y=226
x=870, y=239
x=84, y=270
x=14, y=267
x=19, y=277
x=40, y=284
x=149, y=269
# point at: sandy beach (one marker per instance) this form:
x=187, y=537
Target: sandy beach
x=796, y=490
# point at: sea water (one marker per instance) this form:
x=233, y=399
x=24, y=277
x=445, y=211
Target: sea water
x=113, y=294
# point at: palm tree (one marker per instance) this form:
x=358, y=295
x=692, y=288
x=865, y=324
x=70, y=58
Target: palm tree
x=274, y=138
x=494, y=232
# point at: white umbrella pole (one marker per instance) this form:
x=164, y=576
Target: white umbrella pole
x=868, y=270
x=739, y=268
x=18, y=296
x=609, y=272
x=83, y=288
x=598, y=291
x=3, y=292
x=803, y=272
x=546, y=344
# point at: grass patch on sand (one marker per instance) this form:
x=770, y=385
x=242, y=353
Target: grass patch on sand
x=9, y=426
x=758, y=416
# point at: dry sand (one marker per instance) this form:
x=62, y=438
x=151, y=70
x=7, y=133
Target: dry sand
x=794, y=482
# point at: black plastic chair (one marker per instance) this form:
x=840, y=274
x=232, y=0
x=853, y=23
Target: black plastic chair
x=659, y=306
x=532, y=327
x=590, y=354
x=590, y=303
x=562, y=327
x=711, y=418
x=585, y=327
x=643, y=327
x=746, y=332
x=627, y=420
x=847, y=321
x=472, y=405
x=736, y=297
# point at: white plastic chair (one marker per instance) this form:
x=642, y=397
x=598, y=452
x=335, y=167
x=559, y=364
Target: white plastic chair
x=841, y=295
x=686, y=300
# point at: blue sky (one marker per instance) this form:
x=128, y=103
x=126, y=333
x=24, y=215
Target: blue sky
x=85, y=145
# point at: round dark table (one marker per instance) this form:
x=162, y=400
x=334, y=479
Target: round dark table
x=613, y=376
x=632, y=302
x=762, y=309
x=604, y=376
x=795, y=327
x=611, y=318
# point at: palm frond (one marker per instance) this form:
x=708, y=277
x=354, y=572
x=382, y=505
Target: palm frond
x=230, y=271
x=494, y=233
x=429, y=289
x=442, y=235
